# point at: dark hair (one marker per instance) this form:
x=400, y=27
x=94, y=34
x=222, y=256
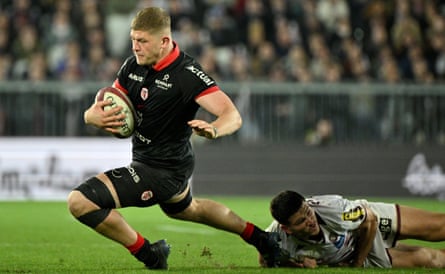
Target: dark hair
x=285, y=204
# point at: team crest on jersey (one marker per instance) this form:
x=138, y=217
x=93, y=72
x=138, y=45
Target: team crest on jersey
x=144, y=93
x=337, y=240
x=146, y=195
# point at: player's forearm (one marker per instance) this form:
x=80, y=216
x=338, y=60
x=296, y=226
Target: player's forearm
x=227, y=123
x=367, y=233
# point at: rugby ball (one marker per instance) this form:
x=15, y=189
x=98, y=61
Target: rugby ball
x=118, y=98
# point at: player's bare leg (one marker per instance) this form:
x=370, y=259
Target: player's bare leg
x=421, y=224
x=406, y=256
x=219, y=216
x=114, y=227
x=210, y=213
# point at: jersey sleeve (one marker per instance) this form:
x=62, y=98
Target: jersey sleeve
x=121, y=81
x=197, y=81
x=339, y=213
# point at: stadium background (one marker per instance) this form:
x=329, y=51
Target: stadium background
x=337, y=96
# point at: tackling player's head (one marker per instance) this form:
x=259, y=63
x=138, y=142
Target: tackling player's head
x=151, y=35
x=294, y=214
x=285, y=204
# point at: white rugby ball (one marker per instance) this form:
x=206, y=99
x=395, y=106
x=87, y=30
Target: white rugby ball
x=118, y=98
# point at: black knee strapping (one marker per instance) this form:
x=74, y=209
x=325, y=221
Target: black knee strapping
x=94, y=218
x=173, y=208
x=97, y=192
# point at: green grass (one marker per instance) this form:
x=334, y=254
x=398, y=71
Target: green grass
x=41, y=237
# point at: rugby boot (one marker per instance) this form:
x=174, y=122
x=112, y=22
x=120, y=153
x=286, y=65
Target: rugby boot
x=155, y=255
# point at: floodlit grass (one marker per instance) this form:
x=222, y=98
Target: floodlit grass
x=41, y=237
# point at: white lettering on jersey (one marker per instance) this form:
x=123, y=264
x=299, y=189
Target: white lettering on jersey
x=142, y=138
x=206, y=79
x=164, y=84
x=133, y=174
x=135, y=77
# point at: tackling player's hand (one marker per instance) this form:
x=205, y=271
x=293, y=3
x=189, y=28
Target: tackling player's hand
x=202, y=128
x=304, y=262
x=285, y=261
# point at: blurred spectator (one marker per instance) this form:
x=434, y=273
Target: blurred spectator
x=209, y=63
x=37, y=69
x=330, y=12
x=297, y=64
x=25, y=44
x=262, y=61
x=5, y=33
x=5, y=67
x=269, y=31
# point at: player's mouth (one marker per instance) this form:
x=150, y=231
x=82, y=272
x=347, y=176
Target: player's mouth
x=313, y=229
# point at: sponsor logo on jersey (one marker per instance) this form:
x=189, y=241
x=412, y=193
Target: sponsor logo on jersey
x=163, y=84
x=354, y=214
x=142, y=138
x=135, y=77
x=116, y=173
x=201, y=75
x=133, y=174
x=385, y=227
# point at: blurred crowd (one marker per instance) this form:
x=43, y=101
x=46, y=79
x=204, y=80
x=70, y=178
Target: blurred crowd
x=385, y=41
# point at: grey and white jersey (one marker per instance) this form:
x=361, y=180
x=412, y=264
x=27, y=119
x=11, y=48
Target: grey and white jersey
x=339, y=220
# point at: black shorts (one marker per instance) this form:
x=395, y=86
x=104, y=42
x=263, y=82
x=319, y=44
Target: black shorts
x=141, y=185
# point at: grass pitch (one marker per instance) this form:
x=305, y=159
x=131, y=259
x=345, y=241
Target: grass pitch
x=42, y=237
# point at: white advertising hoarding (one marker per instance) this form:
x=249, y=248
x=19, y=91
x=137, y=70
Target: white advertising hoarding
x=48, y=168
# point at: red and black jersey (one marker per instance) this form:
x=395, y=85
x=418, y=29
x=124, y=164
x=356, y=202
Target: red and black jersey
x=164, y=96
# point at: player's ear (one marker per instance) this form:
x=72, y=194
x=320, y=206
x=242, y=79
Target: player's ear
x=165, y=41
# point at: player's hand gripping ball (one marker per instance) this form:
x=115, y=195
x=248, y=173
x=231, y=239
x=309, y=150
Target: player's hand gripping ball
x=118, y=98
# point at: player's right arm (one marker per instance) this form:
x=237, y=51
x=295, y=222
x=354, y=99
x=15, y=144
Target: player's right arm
x=104, y=119
x=228, y=119
x=367, y=231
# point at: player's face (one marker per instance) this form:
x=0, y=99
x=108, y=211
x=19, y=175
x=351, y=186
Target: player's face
x=303, y=224
x=147, y=48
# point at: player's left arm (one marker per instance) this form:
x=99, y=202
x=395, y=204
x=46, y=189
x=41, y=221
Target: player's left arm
x=228, y=119
x=367, y=231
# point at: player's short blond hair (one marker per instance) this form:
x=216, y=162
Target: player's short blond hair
x=152, y=19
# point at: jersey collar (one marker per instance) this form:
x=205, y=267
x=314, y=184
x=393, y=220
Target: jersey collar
x=167, y=60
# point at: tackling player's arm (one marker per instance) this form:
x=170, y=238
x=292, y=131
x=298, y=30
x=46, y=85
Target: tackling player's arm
x=367, y=231
x=228, y=119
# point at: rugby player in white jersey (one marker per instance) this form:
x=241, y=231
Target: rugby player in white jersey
x=330, y=230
